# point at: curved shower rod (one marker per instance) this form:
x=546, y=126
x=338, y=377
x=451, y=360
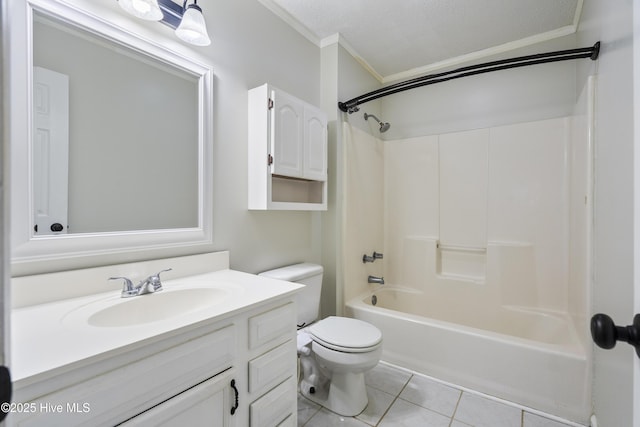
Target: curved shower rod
x=351, y=106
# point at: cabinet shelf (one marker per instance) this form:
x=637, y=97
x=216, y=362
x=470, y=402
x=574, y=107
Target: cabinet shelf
x=287, y=152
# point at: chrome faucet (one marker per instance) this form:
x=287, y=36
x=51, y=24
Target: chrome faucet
x=371, y=258
x=374, y=279
x=147, y=286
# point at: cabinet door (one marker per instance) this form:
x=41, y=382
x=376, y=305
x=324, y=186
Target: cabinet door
x=287, y=127
x=315, y=145
x=207, y=404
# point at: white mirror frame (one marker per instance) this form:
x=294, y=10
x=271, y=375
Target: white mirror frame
x=26, y=249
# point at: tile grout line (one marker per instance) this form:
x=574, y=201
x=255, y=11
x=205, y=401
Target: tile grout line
x=453, y=414
x=394, y=400
x=506, y=402
x=318, y=409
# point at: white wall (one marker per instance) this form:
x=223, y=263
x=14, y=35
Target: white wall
x=250, y=46
x=509, y=96
x=611, y=23
x=342, y=78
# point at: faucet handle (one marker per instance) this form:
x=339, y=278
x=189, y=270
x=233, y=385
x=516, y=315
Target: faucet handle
x=127, y=288
x=367, y=258
x=155, y=280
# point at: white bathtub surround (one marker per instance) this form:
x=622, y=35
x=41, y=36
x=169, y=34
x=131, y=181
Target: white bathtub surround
x=487, y=240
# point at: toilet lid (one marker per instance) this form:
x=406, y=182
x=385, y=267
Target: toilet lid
x=346, y=334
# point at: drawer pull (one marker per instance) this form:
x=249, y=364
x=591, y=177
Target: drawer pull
x=235, y=390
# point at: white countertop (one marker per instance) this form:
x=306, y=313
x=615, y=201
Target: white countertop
x=49, y=337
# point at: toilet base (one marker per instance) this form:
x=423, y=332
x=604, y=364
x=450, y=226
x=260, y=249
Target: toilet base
x=345, y=394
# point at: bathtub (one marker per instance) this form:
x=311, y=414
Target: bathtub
x=528, y=357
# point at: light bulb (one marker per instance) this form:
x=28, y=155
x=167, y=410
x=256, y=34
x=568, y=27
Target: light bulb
x=143, y=9
x=192, y=28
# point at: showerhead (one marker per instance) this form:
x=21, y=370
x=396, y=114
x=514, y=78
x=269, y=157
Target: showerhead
x=383, y=126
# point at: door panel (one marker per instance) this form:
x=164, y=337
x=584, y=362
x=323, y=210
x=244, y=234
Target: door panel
x=50, y=151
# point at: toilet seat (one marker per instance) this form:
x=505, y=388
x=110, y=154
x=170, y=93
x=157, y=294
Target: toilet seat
x=346, y=334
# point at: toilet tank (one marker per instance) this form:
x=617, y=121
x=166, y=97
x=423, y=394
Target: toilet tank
x=308, y=299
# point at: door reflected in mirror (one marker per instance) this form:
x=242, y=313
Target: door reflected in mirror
x=115, y=136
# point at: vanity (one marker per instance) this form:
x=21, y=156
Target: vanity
x=214, y=347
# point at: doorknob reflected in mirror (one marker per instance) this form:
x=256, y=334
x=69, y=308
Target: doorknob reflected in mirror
x=605, y=333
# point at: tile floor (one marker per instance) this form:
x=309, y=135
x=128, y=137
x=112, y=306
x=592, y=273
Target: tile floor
x=400, y=398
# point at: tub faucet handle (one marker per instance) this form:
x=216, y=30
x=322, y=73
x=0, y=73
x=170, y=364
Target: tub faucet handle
x=371, y=258
x=367, y=258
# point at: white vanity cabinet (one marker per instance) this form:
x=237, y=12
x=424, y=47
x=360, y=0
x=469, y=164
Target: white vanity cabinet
x=287, y=152
x=235, y=370
x=272, y=367
x=157, y=378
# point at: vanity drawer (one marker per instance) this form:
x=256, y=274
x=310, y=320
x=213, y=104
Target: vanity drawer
x=274, y=407
x=272, y=325
x=272, y=368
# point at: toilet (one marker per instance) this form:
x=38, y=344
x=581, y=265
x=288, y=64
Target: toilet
x=334, y=352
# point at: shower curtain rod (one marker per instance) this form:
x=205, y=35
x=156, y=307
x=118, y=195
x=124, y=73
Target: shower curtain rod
x=351, y=106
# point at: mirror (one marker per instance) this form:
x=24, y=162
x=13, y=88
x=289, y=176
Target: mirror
x=113, y=151
x=129, y=132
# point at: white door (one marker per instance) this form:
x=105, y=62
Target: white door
x=636, y=108
x=5, y=256
x=50, y=151
x=616, y=290
x=287, y=135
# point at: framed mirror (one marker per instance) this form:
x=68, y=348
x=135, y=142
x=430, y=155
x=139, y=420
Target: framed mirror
x=111, y=139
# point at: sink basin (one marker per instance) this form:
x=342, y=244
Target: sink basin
x=148, y=308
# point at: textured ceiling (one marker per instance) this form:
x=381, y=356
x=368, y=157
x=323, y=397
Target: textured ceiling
x=399, y=38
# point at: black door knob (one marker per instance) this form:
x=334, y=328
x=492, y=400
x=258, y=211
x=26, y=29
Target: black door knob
x=605, y=333
x=56, y=227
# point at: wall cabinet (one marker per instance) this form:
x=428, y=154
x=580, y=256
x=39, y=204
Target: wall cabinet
x=287, y=152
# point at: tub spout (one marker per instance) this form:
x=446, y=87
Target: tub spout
x=374, y=279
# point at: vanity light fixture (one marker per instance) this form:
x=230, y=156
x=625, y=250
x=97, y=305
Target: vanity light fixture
x=192, y=28
x=186, y=20
x=143, y=9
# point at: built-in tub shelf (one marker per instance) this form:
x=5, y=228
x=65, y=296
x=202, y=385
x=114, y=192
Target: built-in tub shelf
x=462, y=263
x=461, y=248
